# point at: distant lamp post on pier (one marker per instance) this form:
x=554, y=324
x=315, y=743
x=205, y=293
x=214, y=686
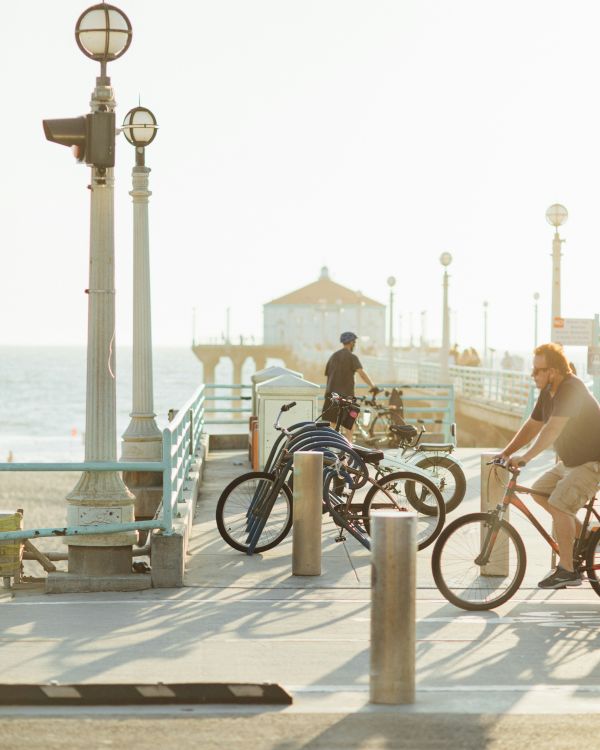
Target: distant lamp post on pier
x=103, y=33
x=556, y=216
x=536, y=296
x=445, y=260
x=391, y=282
x=142, y=440
x=485, y=333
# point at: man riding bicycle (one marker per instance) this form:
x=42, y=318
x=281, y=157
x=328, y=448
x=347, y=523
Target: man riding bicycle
x=567, y=416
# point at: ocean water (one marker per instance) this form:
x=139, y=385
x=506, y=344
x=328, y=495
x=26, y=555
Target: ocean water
x=42, y=397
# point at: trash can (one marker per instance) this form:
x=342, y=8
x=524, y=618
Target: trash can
x=271, y=395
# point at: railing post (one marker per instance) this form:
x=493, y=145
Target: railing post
x=393, y=610
x=167, y=487
x=492, y=491
x=308, y=502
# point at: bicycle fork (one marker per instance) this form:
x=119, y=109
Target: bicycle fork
x=493, y=527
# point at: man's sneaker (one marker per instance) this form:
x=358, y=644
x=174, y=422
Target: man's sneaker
x=560, y=579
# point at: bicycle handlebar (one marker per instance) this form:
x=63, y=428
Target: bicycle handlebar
x=504, y=464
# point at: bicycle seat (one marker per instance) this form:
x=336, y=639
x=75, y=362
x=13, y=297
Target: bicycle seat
x=404, y=430
x=368, y=455
x=440, y=447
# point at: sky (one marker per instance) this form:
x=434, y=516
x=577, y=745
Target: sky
x=368, y=136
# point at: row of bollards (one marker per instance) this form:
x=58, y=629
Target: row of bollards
x=393, y=580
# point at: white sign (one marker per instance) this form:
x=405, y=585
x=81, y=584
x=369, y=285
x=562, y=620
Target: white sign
x=573, y=331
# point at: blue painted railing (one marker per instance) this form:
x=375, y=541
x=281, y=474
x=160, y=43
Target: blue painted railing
x=180, y=442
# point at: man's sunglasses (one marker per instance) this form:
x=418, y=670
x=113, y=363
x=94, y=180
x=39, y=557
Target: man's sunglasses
x=537, y=370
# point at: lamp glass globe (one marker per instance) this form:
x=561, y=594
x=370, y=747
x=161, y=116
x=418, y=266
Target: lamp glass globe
x=103, y=32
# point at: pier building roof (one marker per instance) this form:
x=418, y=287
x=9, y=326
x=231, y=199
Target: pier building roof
x=325, y=291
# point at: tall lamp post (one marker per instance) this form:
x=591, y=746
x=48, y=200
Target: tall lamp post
x=485, y=333
x=391, y=282
x=556, y=215
x=103, y=33
x=536, y=296
x=445, y=260
x=142, y=440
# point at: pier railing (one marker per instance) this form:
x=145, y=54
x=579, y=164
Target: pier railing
x=180, y=445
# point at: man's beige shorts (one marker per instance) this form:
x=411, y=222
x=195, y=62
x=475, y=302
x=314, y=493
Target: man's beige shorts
x=569, y=487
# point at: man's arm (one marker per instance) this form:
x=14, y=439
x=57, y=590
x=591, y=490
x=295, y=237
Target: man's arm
x=365, y=378
x=525, y=435
x=548, y=434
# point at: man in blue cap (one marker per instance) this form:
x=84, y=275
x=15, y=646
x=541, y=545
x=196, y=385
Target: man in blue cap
x=340, y=370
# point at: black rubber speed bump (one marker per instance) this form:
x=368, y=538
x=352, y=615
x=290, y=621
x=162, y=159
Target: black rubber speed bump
x=121, y=694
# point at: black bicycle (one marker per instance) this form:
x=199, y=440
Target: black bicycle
x=254, y=512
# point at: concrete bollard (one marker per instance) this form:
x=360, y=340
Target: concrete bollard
x=493, y=482
x=308, y=502
x=393, y=613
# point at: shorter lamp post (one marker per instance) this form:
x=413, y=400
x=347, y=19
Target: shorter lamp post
x=142, y=440
x=556, y=215
x=391, y=282
x=445, y=260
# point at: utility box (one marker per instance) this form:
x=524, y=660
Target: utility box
x=271, y=395
x=260, y=376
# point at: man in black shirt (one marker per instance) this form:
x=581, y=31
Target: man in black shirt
x=567, y=416
x=340, y=370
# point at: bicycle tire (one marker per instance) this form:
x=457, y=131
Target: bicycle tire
x=235, y=507
x=429, y=525
x=592, y=560
x=430, y=464
x=459, y=578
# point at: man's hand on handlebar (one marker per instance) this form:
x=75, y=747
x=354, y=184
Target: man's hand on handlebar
x=509, y=462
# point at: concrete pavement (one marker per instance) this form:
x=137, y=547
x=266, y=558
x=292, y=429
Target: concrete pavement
x=247, y=619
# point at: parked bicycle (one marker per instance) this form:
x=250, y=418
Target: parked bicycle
x=479, y=560
x=387, y=430
x=254, y=512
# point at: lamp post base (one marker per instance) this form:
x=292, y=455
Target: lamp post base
x=100, y=561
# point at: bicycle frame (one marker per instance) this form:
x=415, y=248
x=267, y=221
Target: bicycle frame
x=511, y=498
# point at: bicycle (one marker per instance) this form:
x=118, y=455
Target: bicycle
x=254, y=512
x=388, y=430
x=479, y=560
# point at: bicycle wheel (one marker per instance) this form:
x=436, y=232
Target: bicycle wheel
x=592, y=560
x=238, y=505
x=448, y=477
x=429, y=524
x=458, y=576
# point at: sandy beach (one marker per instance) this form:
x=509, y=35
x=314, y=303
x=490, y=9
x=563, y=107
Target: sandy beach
x=41, y=496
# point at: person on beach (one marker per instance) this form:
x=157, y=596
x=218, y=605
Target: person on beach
x=340, y=370
x=567, y=416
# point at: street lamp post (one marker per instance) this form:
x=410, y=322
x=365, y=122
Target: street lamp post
x=445, y=260
x=556, y=215
x=536, y=296
x=142, y=440
x=485, y=333
x=391, y=282
x=103, y=33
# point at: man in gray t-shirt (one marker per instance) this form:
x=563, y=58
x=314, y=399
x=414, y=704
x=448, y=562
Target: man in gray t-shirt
x=339, y=371
x=567, y=417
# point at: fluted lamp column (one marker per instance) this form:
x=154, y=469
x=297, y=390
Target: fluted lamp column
x=142, y=440
x=103, y=33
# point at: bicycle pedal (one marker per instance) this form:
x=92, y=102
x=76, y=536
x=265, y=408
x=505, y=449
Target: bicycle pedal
x=340, y=538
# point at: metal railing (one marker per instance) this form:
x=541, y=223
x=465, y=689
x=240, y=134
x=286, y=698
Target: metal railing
x=510, y=390
x=180, y=442
x=230, y=407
